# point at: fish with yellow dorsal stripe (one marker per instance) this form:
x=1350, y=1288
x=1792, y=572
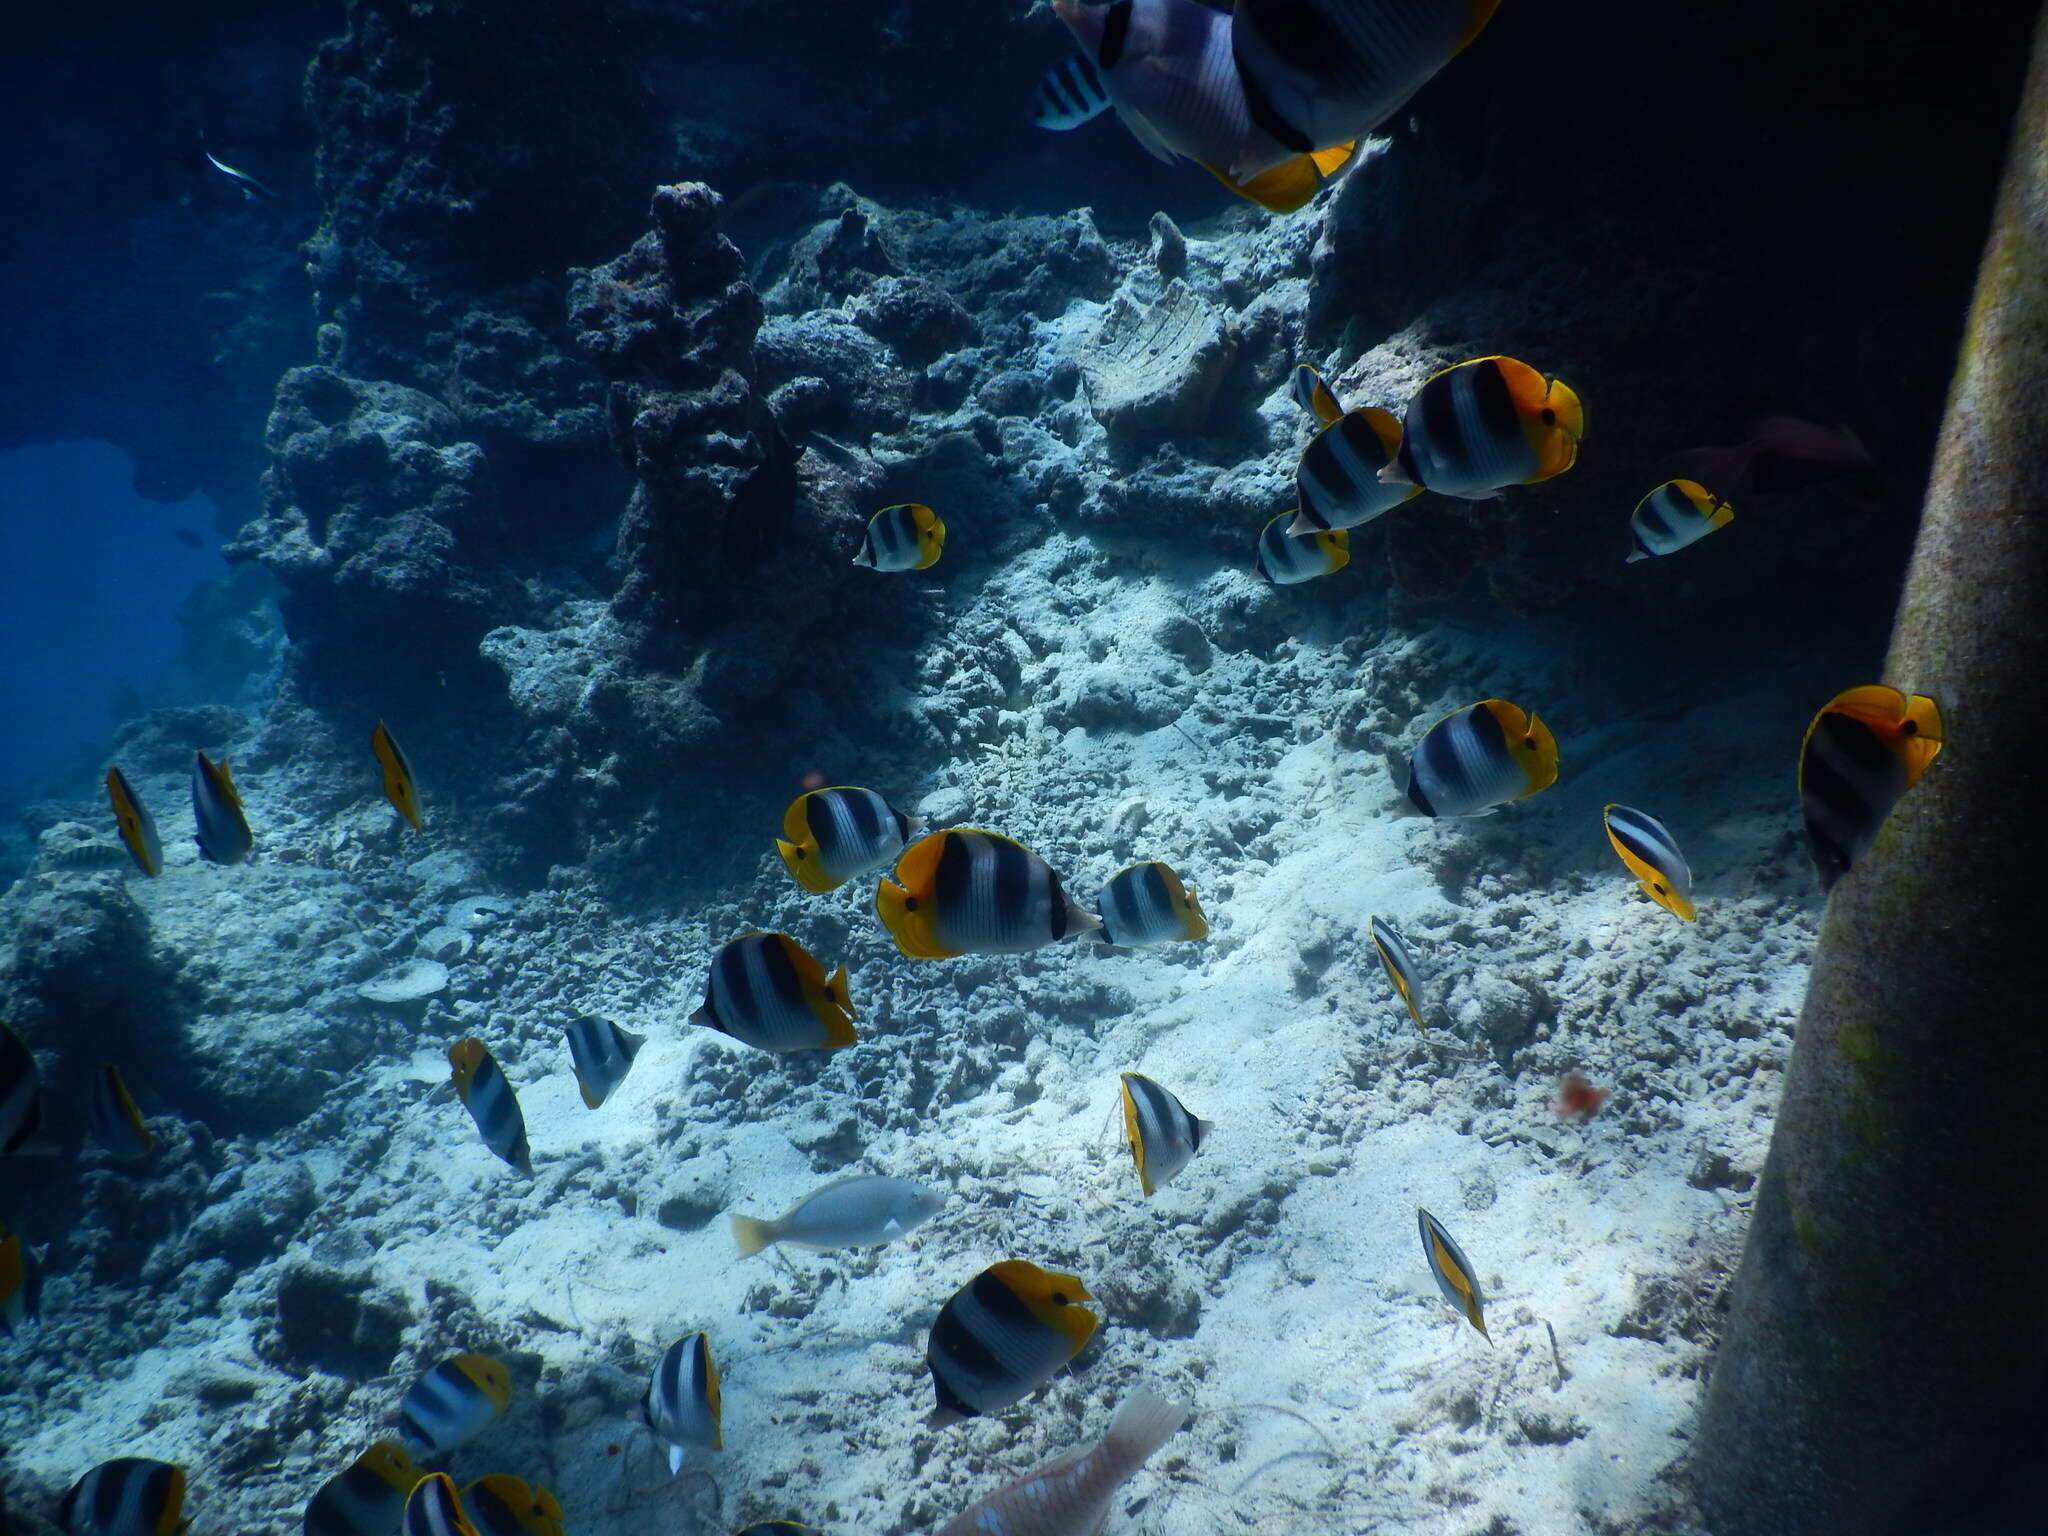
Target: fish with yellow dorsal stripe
x=1287, y=561
x=1337, y=480
x=1864, y=750
x=966, y=891
x=682, y=1405
x=1164, y=1136
x=399, y=787
x=1399, y=965
x=1651, y=854
x=128, y=1496
x=1477, y=759
x=1477, y=427
x=137, y=826
x=1002, y=1336
x=1308, y=391
x=219, y=826
x=488, y=1096
x=831, y=836
x=768, y=991
x=450, y=1404
x=115, y=1122
x=1148, y=904
x=1452, y=1271
x=910, y=537
x=367, y=1497
x=504, y=1505
x=1675, y=514
x=601, y=1054
x=434, y=1508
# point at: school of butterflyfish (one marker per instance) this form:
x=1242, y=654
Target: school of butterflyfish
x=1272, y=99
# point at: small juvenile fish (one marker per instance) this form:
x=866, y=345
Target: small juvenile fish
x=1453, y=1273
x=366, y=1498
x=1399, y=965
x=433, y=1508
x=1070, y=94
x=491, y=1103
x=1865, y=749
x=222, y=831
x=1477, y=759
x=768, y=991
x=1307, y=389
x=451, y=1403
x=831, y=836
x=1477, y=427
x=1651, y=854
x=1164, y=1137
x=115, y=1122
x=398, y=781
x=137, y=826
x=1286, y=561
x=1577, y=1098
x=966, y=891
x=504, y=1505
x=1070, y=1495
x=682, y=1404
x=1002, y=1336
x=601, y=1054
x=250, y=187
x=128, y=1496
x=21, y=1100
x=1337, y=481
x=864, y=1210
x=1147, y=904
x=1677, y=513
x=21, y=1283
x=909, y=537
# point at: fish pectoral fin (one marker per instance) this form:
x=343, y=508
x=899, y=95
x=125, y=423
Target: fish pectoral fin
x=1146, y=134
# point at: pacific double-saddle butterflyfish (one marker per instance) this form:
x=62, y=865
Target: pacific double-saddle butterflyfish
x=434, y=1508
x=1477, y=759
x=1070, y=94
x=1164, y=1136
x=128, y=1496
x=601, y=1055
x=966, y=891
x=1477, y=427
x=831, y=836
x=219, y=827
x=1337, y=482
x=21, y=1283
x=487, y=1094
x=862, y=1210
x=779, y=1528
x=399, y=788
x=1651, y=853
x=1285, y=560
x=1399, y=965
x=504, y=1505
x=768, y=991
x=682, y=1404
x=1675, y=514
x=21, y=1100
x=1148, y=904
x=1453, y=1272
x=110, y=1114
x=1002, y=1336
x=1307, y=389
x=451, y=1404
x=367, y=1497
x=1865, y=749
x=909, y=537
x=137, y=826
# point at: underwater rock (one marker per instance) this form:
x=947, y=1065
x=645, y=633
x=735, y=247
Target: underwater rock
x=407, y=983
x=335, y=1319
x=1155, y=368
x=919, y=319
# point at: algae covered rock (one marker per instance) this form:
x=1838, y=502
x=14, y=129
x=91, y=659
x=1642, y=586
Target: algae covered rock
x=1155, y=368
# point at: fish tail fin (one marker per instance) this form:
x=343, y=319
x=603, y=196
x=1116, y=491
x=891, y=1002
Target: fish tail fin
x=675, y=1460
x=751, y=1234
x=1146, y=1421
x=630, y=1043
x=1633, y=556
x=836, y=990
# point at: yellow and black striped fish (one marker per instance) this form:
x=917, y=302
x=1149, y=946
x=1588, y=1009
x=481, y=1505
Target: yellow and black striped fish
x=967, y=891
x=1002, y=1336
x=128, y=1496
x=1286, y=561
x=434, y=1508
x=1477, y=759
x=21, y=1283
x=1479, y=426
x=504, y=1505
x=1399, y=965
x=1677, y=513
x=1147, y=904
x=451, y=1403
x=367, y=1498
x=488, y=1096
x=1865, y=749
x=1308, y=391
x=779, y=1528
x=1164, y=1136
x=768, y=991
x=399, y=788
x=1454, y=1274
x=137, y=826
x=682, y=1405
x=1337, y=482
x=115, y=1122
x=910, y=537
x=1651, y=853
x=21, y=1100
x=601, y=1054
x=219, y=825
x=831, y=836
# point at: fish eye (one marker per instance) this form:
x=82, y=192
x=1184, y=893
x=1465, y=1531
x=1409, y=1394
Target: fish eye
x=1549, y=417
x=1657, y=888
x=1529, y=742
x=1909, y=728
x=910, y=903
x=1059, y=1298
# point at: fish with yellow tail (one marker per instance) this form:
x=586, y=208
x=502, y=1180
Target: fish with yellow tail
x=434, y=1508
x=863, y=1210
x=1148, y=904
x=1478, y=427
x=1070, y=1495
x=21, y=1100
x=113, y=1119
x=1864, y=750
x=1477, y=759
x=1287, y=561
x=367, y=1497
x=128, y=1496
x=1337, y=481
x=504, y=1505
x=682, y=1405
x=1452, y=1271
x=487, y=1094
x=1163, y=1134
x=831, y=836
x=452, y=1403
x=1651, y=854
x=1002, y=1336
x=21, y=1284
x=219, y=826
x=1675, y=514
x=768, y=991
x=1399, y=965
x=966, y=891
x=909, y=537
x=1306, y=388
x=137, y=826
x=600, y=1054
x=399, y=787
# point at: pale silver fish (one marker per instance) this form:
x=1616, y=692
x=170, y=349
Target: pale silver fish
x=864, y=1210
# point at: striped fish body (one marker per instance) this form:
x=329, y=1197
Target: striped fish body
x=831, y=836
x=433, y=1508
x=1164, y=1137
x=220, y=828
x=601, y=1055
x=367, y=1498
x=1479, y=426
x=1002, y=1336
x=779, y=1528
x=1285, y=560
x=1307, y=389
x=768, y=991
x=137, y=826
x=682, y=1403
x=504, y=1505
x=21, y=1100
x=1147, y=904
x=1166, y=67
x=1070, y=94
x=452, y=1403
x=115, y=1122
x=863, y=1210
x=21, y=1284
x=1675, y=514
x=1477, y=759
x=1864, y=750
x=128, y=1496
x=398, y=781
x=1453, y=1273
x=966, y=891
x=487, y=1094
x=1651, y=854
x=1400, y=966
x=909, y=537
x=1337, y=481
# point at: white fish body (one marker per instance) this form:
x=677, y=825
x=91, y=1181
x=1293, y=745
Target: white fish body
x=863, y=1210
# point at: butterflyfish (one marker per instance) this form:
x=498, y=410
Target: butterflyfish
x=367, y=1497
x=128, y=1496
x=966, y=891
x=21, y=1100
x=1399, y=965
x=779, y=1528
x=1148, y=904
x=1306, y=388
x=452, y=1403
x=863, y=1210
x=113, y=1119
x=1453, y=1272
x=831, y=836
x=1651, y=853
x=1865, y=749
x=1070, y=94
x=909, y=537
x=434, y=1508
x=1002, y=1336
x=1479, y=426
x=1292, y=184
x=1337, y=480
x=768, y=991
x=1164, y=1136
x=504, y=1505
x=1071, y=1494
x=137, y=826
x=21, y=1283
x=1477, y=759
x=398, y=781
x=220, y=828
x=488, y=1096
x=682, y=1404
x=1675, y=514
x=1285, y=560
x=601, y=1054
